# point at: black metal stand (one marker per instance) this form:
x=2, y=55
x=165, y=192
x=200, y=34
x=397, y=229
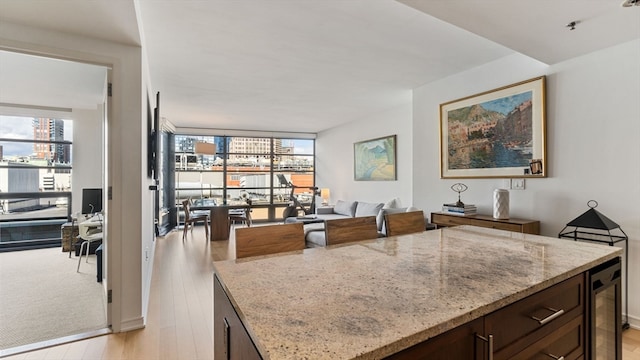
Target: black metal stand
x=612, y=239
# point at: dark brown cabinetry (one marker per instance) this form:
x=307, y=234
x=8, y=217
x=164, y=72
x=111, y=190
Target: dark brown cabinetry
x=459, y=343
x=547, y=324
x=537, y=317
x=516, y=225
x=230, y=338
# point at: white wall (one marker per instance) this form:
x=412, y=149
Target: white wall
x=148, y=241
x=334, y=158
x=593, y=151
x=593, y=147
x=127, y=214
x=87, y=152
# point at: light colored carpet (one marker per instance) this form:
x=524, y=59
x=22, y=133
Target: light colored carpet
x=42, y=297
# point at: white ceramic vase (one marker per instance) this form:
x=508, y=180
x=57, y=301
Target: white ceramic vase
x=500, y=204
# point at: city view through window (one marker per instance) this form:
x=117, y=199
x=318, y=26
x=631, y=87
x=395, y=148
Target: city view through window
x=35, y=178
x=229, y=169
x=36, y=175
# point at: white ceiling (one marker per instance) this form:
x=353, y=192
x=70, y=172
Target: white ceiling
x=45, y=82
x=538, y=28
x=309, y=65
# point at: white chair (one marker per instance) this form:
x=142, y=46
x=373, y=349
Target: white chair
x=89, y=231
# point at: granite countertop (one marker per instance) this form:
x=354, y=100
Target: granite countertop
x=370, y=299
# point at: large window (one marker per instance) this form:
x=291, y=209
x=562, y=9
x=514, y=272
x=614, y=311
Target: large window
x=232, y=169
x=35, y=180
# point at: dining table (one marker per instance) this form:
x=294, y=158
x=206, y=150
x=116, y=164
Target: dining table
x=219, y=216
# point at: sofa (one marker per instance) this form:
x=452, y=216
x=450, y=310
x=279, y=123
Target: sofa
x=314, y=231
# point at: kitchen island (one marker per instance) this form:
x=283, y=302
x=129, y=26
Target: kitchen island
x=373, y=299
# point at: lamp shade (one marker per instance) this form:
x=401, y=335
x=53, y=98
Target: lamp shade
x=205, y=148
x=325, y=194
x=593, y=219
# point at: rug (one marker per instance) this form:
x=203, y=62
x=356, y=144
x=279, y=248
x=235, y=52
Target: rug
x=42, y=297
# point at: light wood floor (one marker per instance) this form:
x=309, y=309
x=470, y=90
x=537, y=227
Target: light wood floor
x=180, y=316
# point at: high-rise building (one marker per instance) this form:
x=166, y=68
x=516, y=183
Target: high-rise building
x=250, y=145
x=50, y=130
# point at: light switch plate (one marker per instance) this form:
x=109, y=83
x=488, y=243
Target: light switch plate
x=506, y=184
x=517, y=184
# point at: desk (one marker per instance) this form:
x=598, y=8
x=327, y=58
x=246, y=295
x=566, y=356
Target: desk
x=219, y=216
x=89, y=227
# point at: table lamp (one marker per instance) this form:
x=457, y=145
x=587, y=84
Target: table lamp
x=325, y=194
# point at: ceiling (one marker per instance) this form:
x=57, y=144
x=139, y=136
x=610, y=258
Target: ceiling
x=309, y=65
x=50, y=83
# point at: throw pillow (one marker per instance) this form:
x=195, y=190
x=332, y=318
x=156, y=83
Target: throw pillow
x=369, y=209
x=392, y=204
x=347, y=208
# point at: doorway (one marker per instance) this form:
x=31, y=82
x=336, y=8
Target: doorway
x=46, y=88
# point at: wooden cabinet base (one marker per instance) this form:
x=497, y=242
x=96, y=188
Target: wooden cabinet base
x=517, y=331
x=459, y=343
x=230, y=338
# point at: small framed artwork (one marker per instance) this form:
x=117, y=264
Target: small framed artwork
x=496, y=134
x=375, y=159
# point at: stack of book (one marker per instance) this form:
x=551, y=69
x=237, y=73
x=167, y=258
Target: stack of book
x=467, y=209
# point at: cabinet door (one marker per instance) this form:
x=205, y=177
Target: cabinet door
x=459, y=343
x=230, y=338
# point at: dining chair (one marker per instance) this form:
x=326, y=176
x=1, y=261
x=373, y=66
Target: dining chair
x=190, y=219
x=242, y=215
x=339, y=231
x=405, y=223
x=270, y=239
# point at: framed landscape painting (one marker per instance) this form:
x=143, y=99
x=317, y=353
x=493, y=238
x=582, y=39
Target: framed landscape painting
x=375, y=159
x=496, y=134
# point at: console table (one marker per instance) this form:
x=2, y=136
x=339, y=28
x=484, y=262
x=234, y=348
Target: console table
x=517, y=225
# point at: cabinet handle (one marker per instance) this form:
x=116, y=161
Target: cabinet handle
x=488, y=340
x=227, y=343
x=555, y=357
x=555, y=314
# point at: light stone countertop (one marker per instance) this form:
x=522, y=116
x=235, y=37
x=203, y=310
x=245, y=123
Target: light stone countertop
x=370, y=299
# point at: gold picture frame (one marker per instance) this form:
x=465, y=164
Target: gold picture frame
x=499, y=133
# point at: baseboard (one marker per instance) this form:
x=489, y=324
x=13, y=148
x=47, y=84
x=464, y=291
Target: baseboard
x=132, y=324
x=634, y=322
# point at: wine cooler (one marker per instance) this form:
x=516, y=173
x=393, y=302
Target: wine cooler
x=605, y=327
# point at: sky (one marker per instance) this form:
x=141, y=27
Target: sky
x=15, y=127
x=506, y=104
